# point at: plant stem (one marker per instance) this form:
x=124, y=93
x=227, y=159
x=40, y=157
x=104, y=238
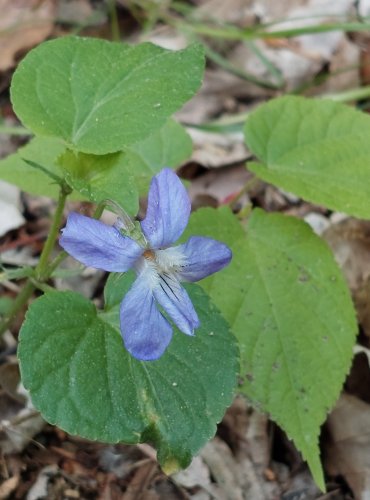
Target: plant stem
x=228, y=32
x=100, y=209
x=55, y=263
x=225, y=64
x=16, y=274
x=244, y=214
x=42, y=266
x=19, y=302
x=350, y=95
x=7, y=130
x=114, y=25
x=44, y=287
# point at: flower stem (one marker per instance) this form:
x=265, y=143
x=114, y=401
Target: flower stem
x=100, y=209
x=114, y=25
x=63, y=254
x=19, y=302
x=4, y=129
x=56, y=262
x=350, y=95
x=42, y=266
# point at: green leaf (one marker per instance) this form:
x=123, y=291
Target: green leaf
x=99, y=178
x=122, y=177
x=288, y=305
x=44, y=170
x=169, y=147
x=317, y=149
x=41, y=150
x=81, y=378
x=99, y=96
x=5, y=305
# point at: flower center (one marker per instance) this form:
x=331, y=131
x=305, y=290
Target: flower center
x=149, y=255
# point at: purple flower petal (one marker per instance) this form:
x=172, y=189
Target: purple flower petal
x=202, y=257
x=168, y=210
x=98, y=245
x=176, y=303
x=145, y=332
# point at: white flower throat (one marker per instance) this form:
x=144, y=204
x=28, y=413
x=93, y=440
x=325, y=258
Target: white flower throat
x=161, y=267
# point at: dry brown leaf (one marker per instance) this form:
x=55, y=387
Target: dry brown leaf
x=19, y=422
x=197, y=474
x=140, y=481
x=220, y=185
x=8, y=486
x=257, y=440
x=40, y=488
x=246, y=430
x=349, y=451
x=243, y=13
x=278, y=10
x=74, y=11
x=217, y=455
x=208, y=102
x=10, y=214
x=16, y=433
x=217, y=150
x=299, y=60
x=358, y=380
x=10, y=378
x=164, y=36
x=350, y=242
x=343, y=68
x=23, y=24
x=318, y=222
x=235, y=424
x=361, y=298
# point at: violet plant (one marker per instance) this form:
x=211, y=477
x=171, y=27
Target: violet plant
x=145, y=331
x=276, y=323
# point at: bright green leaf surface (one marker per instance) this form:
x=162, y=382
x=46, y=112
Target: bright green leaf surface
x=99, y=96
x=81, y=378
x=168, y=147
x=120, y=177
x=317, y=149
x=42, y=150
x=290, y=308
x=99, y=178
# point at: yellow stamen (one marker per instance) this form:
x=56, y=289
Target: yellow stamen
x=149, y=255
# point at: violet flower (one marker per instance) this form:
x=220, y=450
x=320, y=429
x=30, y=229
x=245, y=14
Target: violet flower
x=159, y=267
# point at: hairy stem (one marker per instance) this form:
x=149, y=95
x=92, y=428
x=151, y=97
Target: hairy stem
x=114, y=20
x=42, y=266
x=56, y=262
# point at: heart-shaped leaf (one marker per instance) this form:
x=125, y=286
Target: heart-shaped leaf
x=120, y=177
x=286, y=301
x=99, y=96
x=317, y=149
x=81, y=377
